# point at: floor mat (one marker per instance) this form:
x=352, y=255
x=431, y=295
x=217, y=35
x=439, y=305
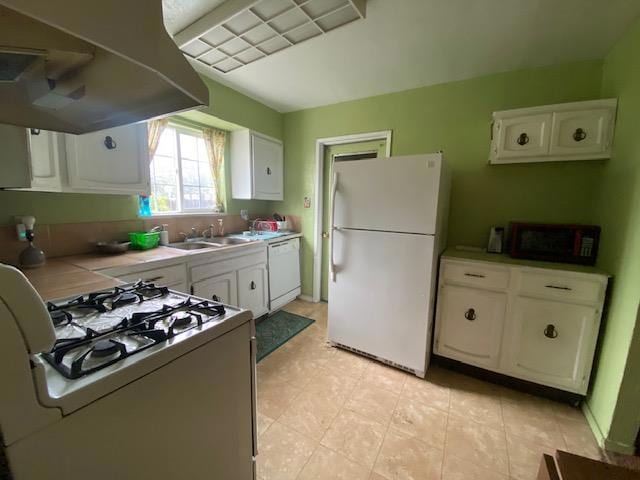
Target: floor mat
x=277, y=329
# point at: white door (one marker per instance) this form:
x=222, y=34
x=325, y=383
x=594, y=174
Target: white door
x=551, y=341
x=221, y=288
x=267, y=168
x=109, y=161
x=470, y=323
x=394, y=194
x=523, y=136
x=45, y=160
x=585, y=131
x=252, y=289
x=379, y=301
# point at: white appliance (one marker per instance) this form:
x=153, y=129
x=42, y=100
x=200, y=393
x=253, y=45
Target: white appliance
x=130, y=383
x=388, y=227
x=284, y=272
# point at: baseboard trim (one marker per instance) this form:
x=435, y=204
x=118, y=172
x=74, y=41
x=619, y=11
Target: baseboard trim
x=306, y=298
x=603, y=441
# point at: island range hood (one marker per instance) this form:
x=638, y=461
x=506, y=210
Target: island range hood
x=78, y=66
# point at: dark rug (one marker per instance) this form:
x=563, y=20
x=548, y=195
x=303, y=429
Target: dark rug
x=276, y=330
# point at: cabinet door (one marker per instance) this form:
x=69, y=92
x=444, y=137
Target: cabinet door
x=470, y=325
x=109, y=161
x=522, y=137
x=252, y=289
x=45, y=160
x=15, y=170
x=552, y=342
x=267, y=168
x=581, y=132
x=221, y=288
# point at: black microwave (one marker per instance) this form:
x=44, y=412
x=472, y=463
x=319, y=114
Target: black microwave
x=555, y=242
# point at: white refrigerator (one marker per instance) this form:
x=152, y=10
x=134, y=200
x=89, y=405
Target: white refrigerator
x=388, y=222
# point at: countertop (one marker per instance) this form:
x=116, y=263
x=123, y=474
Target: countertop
x=78, y=274
x=505, y=259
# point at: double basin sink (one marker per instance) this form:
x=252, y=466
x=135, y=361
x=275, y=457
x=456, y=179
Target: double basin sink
x=213, y=242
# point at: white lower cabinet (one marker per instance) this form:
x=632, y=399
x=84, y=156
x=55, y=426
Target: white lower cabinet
x=221, y=288
x=253, y=290
x=539, y=324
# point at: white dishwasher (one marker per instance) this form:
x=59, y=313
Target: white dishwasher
x=284, y=272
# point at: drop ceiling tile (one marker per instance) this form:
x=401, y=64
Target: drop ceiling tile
x=250, y=55
x=302, y=33
x=289, y=20
x=316, y=8
x=234, y=46
x=195, y=48
x=273, y=45
x=242, y=22
x=259, y=34
x=227, y=65
x=340, y=17
x=213, y=56
x=268, y=9
x=217, y=36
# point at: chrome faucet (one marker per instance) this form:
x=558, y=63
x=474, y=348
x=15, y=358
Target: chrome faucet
x=190, y=236
x=208, y=232
x=220, y=227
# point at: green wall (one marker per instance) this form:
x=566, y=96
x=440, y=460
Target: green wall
x=455, y=117
x=614, y=403
x=229, y=106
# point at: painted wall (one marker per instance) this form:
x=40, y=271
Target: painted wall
x=614, y=402
x=455, y=117
x=226, y=104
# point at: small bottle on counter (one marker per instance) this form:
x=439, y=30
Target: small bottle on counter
x=164, y=234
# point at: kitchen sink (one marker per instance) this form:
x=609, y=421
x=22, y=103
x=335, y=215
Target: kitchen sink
x=191, y=245
x=229, y=240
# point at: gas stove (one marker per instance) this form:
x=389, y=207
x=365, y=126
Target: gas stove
x=97, y=330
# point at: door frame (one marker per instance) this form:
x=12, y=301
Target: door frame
x=321, y=145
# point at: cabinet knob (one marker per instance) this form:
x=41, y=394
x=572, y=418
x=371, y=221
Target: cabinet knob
x=579, y=135
x=34, y=131
x=252, y=285
x=550, y=331
x=268, y=171
x=110, y=143
x=470, y=314
x=215, y=298
x=523, y=139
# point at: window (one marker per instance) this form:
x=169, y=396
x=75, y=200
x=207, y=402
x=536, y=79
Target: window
x=181, y=175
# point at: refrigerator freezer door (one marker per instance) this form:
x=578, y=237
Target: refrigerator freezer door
x=395, y=194
x=379, y=302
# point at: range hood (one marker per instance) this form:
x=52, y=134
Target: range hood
x=78, y=66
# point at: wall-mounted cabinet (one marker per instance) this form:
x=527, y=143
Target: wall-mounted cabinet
x=257, y=166
x=113, y=161
x=568, y=131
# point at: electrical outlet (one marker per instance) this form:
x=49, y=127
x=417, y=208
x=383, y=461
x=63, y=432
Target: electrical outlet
x=307, y=202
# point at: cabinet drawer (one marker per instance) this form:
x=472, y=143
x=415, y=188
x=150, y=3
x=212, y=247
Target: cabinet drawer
x=160, y=276
x=476, y=275
x=560, y=287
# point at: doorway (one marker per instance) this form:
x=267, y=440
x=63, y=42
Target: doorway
x=332, y=153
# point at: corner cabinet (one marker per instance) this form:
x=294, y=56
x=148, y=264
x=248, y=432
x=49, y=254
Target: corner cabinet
x=568, y=131
x=532, y=323
x=257, y=166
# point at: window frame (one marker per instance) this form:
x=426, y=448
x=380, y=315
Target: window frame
x=196, y=132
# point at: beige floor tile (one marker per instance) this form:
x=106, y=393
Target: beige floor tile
x=356, y=437
x=563, y=411
x=274, y=399
x=532, y=424
x=347, y=363
x=428, y=391
x=525, y=457
x=477, y=443
x=326, y=464
x=299, y=307
x=580, y=439
x=282, y=453
x=376, y=476
x=420, y=419
x=372, y=402
x=380, y=375
x=479, y=406
x=403, y=457
x=311, y=414
x=264, y=422
x=331, y=385
x=456, y=468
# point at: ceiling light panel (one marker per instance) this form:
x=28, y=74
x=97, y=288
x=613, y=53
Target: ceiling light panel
x=269, y=26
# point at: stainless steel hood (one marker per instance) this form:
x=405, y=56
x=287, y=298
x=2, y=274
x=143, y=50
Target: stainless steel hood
x=78, y=66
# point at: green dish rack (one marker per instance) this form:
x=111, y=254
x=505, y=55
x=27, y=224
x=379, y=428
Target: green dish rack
x=144, y=240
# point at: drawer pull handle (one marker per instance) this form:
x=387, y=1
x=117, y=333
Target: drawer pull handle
x=550, y=331
x=154, y=279
x=474, y=275
x=579, y=135
x=215, y=298
x=252, y=285
x=470, y=314
x=523, y=139
x=556, y=287
x=34, y=131
x=268, y=171
x=110, y=143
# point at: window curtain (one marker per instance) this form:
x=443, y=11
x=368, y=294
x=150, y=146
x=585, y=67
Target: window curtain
x=155, y=127
x=214, y=140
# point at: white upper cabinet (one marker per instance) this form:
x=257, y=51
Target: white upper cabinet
x=257, y=166
x=46, y=168
x=568, y=131
x=115, y=160
x=15, y=165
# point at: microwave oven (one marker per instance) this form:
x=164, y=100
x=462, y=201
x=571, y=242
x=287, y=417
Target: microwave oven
x=555, y=243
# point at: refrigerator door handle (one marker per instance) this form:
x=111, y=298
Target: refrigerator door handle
x=334, y=189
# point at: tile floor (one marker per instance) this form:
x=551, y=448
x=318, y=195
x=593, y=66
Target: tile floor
x=324, y=413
